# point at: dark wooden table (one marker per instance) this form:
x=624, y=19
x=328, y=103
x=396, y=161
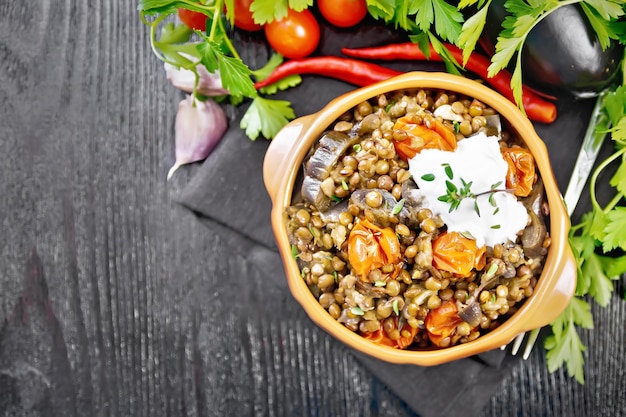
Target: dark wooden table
x=117, y=300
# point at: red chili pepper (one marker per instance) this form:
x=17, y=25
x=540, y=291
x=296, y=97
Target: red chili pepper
x=352, y=71
x=536, y=107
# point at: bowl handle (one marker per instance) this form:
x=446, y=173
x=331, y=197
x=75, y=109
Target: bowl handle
x=556, y=302
x=280, y=153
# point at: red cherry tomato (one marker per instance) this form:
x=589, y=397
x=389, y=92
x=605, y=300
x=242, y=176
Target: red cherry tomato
x=381, y=337
x=243, y=16
x=457, y=254
x=441, y=322
x=193, y=20
x=343, y=13
x=371, y=247
x=419, y=137
x=521, y=175
x=294, y=36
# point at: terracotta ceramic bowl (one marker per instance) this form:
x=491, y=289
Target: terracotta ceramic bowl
x=555, y=286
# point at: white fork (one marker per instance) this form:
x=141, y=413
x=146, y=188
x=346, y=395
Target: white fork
x=587, y=155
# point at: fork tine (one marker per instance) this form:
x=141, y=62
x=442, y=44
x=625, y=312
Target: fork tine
x=530, y=343
x=517, y=343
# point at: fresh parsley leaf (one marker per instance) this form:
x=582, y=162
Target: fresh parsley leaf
x=581, y=314
x=516, y=27
x=172, y=53
x=598, y=223
x=283, y=84
x=425, y=16
x=466, y=3
x=600, y=285
x=602, y=28
x=564, y=345
x=266, y=11
x=172, y=33
x=445, y=17
x=152, y=7
x=616, y=267
x=266, y=117
x=471, y=30
x=448, y=20
x=618, y=132
x=619, y=179
x=615, y=230
x=450, y=62
x=235, y=76
x=381, y=9
x=209, y=52
x=607, y=9
x=299, y=5
x=505, y=49
x=229, y=11
x=269, y=67
x=614, y=104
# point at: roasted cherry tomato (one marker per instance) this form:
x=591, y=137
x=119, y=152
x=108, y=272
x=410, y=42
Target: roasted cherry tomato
x=343, y=13
x=381, y=337
x=193, y=20
x=520, y=176
x=455, y=253
x=243, y=16
x=441, y=322
x=419, y=136
x=371, y=247
x=295, y=35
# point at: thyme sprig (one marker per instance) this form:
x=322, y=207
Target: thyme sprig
x=455, y=194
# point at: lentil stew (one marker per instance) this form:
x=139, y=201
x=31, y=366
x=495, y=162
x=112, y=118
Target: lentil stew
x=386, y=259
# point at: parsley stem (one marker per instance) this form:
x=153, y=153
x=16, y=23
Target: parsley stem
x=495, y=190
x=616, y=199
x=218, y=22
x=153, y=40
x=228, y=43
x=216, y=19
x=596, y=174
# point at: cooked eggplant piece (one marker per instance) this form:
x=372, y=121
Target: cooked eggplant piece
x=370, y=290
x=471, y=313
x=330, y=148
x=562, y=52
x=412, y=202
x=535, y=233
x=319, y=164
x=312, y=193
x=332, y=214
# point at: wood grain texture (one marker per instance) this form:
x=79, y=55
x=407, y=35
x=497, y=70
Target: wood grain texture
x=117, y=301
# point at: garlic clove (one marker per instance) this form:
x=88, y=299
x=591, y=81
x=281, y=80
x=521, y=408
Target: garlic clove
x=199, y=127
x=209, y=84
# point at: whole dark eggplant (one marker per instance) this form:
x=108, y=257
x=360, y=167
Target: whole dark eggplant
x=561, y=53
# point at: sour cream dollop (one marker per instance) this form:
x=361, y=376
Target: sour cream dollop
x=490, y=218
